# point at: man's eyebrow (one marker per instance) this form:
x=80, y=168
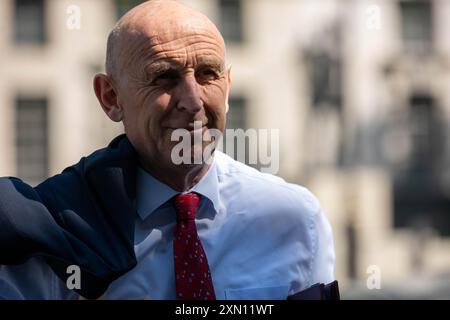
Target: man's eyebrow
x=211, y=62
x=159, y=67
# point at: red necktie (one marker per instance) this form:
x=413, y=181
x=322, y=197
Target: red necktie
x=193, y=278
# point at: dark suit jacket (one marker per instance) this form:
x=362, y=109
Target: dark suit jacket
x=83, y=216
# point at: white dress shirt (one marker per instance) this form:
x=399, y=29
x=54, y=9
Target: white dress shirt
x=264, y=239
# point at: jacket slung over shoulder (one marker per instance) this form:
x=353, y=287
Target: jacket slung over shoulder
x=83, y=216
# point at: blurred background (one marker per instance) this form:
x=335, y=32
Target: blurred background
x=360, y=91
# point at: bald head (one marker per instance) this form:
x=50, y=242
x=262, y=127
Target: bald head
x=166, y=71
x=143, y=26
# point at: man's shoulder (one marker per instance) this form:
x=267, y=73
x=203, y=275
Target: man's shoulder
x=281, y=212
x=265, y=188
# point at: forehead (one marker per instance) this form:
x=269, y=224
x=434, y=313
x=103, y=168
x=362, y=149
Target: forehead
x=184, y=42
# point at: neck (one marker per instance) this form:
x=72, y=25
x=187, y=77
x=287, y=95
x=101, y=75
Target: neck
x=178, y=177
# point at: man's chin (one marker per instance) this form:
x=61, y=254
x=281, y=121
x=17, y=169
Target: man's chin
x=191, y=155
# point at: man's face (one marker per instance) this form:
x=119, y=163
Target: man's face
x=172, y=79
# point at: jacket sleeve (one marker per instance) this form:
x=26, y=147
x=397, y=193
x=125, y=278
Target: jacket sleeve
x=31, y=227
x=26, y=226
x=33, y=279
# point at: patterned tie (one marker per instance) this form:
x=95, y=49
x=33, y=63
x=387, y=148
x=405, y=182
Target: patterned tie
x=193, y=278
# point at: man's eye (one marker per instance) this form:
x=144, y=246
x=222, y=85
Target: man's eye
x=207, y=74
x=165, y=78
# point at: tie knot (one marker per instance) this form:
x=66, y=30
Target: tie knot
x=186, y=205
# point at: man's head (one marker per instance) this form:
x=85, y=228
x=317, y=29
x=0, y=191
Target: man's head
x=165, y=69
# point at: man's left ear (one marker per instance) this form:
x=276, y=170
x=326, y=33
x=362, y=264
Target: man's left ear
x=228, y=71
x=107, y=96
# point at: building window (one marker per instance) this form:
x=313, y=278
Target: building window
x=230, y=20
x=32, y=139
x=29, y=22
x=122, y=6
x=419, y=200
x=423, y=138
x=417, y=29
x=237, y=119
x=326, y=80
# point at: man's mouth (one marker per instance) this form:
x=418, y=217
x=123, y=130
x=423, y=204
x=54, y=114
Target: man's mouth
x=191, y=128
x=197, y=129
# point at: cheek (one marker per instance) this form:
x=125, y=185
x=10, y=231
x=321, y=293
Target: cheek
x=152, y=113
x=215, y=101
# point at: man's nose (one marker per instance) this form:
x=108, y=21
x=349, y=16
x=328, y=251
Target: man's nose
x=188, y=92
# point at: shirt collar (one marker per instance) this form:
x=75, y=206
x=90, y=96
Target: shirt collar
x=152, y=193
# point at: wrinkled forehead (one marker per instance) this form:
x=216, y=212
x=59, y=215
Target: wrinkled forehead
x=150, y=36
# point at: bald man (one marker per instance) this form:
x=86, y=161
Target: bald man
x=140, y=225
